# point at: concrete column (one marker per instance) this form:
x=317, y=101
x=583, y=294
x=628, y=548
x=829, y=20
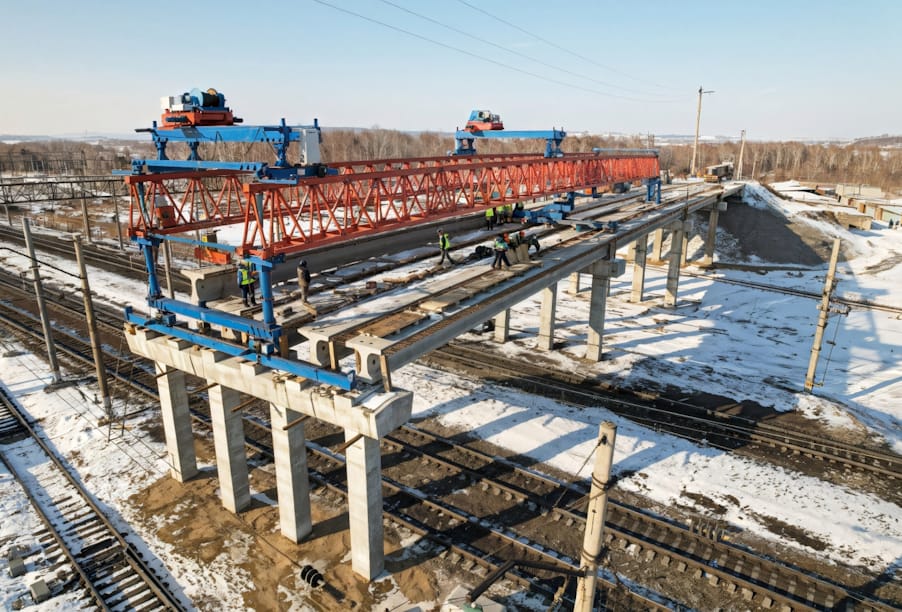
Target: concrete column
x=708, y=259
x=684, y=251
x=176, y=423
x=602, y=271
x=546, y=318
x=673, y=266
x=364, y=466
x=601, y=286
x=228, y=440
x=503, y=326
x=658, y=245
x=574, y=283
x=640, y=251
x=292, y=485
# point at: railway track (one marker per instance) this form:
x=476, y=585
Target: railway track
x=680, y=418
x=96, y=557
x=469, y=542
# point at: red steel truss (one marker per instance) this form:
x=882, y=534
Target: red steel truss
x=365, y=197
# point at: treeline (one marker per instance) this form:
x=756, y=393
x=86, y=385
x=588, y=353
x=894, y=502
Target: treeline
x=861, y=162
x=65, y=157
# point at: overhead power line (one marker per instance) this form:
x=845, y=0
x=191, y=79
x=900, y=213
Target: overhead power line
x=515, y=52
x=485, y=59
x=482, y=11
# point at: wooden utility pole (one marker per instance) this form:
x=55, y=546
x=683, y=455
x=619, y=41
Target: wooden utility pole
x=39, y=298
x=822, y=318
x=595, y=516
x=698, y=119
x=741, y=151
x=92, y=331
x=86, y=220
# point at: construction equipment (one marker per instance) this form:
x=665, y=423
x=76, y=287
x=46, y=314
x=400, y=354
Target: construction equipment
x=484, y=124
x=720, y=172
x=196, y=108
x=481, y=120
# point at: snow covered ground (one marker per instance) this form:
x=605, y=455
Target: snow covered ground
x=737, y=342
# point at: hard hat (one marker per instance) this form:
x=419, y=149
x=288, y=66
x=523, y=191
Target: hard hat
x=303, y=263
x=439, y=231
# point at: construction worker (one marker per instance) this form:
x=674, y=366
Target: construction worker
x=246, y=280
x=303, y=279
x=444, y=243
x=500, y=252
x=490, y=218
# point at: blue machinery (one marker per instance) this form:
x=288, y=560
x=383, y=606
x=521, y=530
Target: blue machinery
x=263, y=337
x=466, y=139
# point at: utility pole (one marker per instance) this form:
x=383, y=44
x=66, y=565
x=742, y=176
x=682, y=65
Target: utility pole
x=741, y=151
x=822, y=318
x=42, y=309
x=698, y=119
x=595, y=515
x=92, y=331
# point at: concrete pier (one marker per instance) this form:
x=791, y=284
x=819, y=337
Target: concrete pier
x=602, y=272
x=713, y=218
x=364, y=466
x=673, y=264
x=503, y=325
x=370, y=411
x=176, y=422
x=546, y=318
x=292, y=484
x=657, y=247
x=639, y=250
x=228, y=439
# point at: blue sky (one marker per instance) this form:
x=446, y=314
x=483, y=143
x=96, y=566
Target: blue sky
x=779, y=70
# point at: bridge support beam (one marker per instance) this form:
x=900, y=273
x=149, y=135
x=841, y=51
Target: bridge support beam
x=176, y=423
x=657, y=249
x=292, y=485
x=503, y=326
x=547, y=317
x=573, y=289
x=228, y=439
x=678, y=236
x=639, y=251
x=364, y=468
x=602, y=272
x=708, y=259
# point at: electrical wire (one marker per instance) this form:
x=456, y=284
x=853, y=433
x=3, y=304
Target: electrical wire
x=513, y=51
x=551, y=43
x=480, y=57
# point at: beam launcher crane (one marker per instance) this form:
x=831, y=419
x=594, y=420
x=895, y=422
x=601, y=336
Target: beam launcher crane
x=279, y=136
x=466, y=139
x=285, y=209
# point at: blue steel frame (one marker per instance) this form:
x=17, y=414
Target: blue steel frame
x=166, y=326
x=280, y=136
x=466, y=141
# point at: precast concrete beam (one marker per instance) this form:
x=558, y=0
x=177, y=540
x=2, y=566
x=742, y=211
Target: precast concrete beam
x=369, y=410
x=176, y=422
x=547, y=317
x=229, y=443
x=292, y=484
